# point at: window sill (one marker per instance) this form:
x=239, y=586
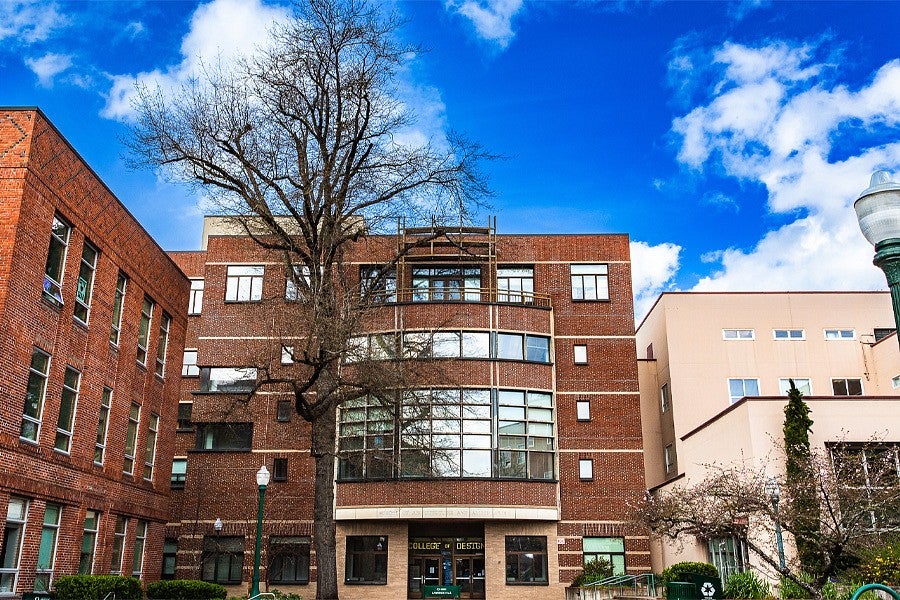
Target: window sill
x=365, y=582
x=579, y=300
x=79, y=323
x=213, y=450
x=529, y=583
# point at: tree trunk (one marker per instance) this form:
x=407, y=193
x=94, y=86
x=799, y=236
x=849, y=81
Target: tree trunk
x=323, y=440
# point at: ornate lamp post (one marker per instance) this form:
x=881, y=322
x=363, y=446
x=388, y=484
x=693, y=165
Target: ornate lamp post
x=774, y=492
x=262, y=480
x=878, y=211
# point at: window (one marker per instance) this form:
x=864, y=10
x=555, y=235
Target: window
x=610, y=549
x=224, y=436
x=56, y=260
x=366, y=559
x=169, y=558
x=895, y=382
x=222, y=560
x=134, y=417
x=11, y=549
x=295, y=286
x=515, y=284
x=287, y=355
x=33, y=411
x=804, y=385
x=244, y=284
x=163, y=340
x=150, y=451
x=118, y=545
x=882, y=332
x=228, y=380
x=144, y=330
x=189, y=366
x=47, y=549
x=67, y=406
x=279, y=469
x=526, y=559
x=729, y=555
x=583, y=410
x=739, y=388
x=288, y=560
x=840, y=334
x=89, y=542
x=443, y=284
x=738, y=334
x=847, y=387
x=184, y=416
x=195, y=300
x=789, y=334
x=585, y=469
x=378, y=286
x=590, y=282
x=179, y=473
x=118, y=303
x=669, y=458
x=283, y=411
x=580, y=352
x=140, y=541
x=525, y=434
x=102, y=426
x=510, y=346
x=85, y=282
x=664, y=398
x=537, y=349
x=873, y=470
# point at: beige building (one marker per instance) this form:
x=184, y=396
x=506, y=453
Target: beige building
x=714, y=370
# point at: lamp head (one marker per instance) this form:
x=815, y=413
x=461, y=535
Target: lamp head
x=218, y=525
x=878, y=208
x=773, y=489
x=262, y=476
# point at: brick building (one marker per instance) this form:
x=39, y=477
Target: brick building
x=501, y=475
x=94, y=314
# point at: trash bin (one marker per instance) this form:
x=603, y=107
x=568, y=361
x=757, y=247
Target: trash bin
x=681, y=590
x=705, y=587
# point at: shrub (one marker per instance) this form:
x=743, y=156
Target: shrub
x=186, y=589
x=880, y=565
x=746, y=585
x=789, y=590
x=680, y=571
x=97, y=587
x=279, y=595
x=594, y=570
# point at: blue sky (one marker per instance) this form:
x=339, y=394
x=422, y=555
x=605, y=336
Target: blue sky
x=728, y=139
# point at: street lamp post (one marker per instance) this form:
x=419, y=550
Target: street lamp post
x=878, y=211
x=262, y=480
x=774, y=492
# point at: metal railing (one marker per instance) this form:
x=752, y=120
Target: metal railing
x=617, y=586
x=458, y=294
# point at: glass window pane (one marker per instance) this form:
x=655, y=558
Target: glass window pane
x=509, y=346
x=477, y=463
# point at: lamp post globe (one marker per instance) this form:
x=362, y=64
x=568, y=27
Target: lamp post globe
x=878, y=212
x=262, y=480
x=774, y=492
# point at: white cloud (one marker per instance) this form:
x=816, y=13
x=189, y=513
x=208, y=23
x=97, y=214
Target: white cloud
x=773, y=119
x=29, y=21
x=219, y=30
x=48, y=67
x=492, y=18
x=134, y=29
x=653, y=269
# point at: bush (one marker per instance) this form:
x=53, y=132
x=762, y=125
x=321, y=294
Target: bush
x=595, y=570
x=680, y=571
x=789, y=590
x=97, y=587
x=186, y=589
x=746, y=585
x=880, y=565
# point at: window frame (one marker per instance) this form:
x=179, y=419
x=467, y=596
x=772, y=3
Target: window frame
x=206, y=440
x=580, y=354
x=68, y=406
x=299, y=553
x=178, y=476
x=165, y=323
x=244, y=286
x=216, y=552
x=115, y=332
x=52, y=287
x=150, y=446
x=523, y=290
x=117, y=550
x=183, y=424
x=738, y=334
x=731, y=398
x=39, y=378
x=517, y=554
x=284, y=410
x=235, y=385
x=89, y=534
x=586, y=469
x=143, y=339
x=833, y=334
x=195, y=299
x=846, y=381
x=131, y=435
x=784, y=385
x=789, y=335
x=49, y=534
x=669, y=458
x=607, y=554
x=169, y=557
x=86, y=272
x=190, y=369
x=582, y=411
x=103, y=425
x=375, y=556
x=140, y=547
x=665, y=402
x=279, y=469
x=18, y=522
x=581, y=273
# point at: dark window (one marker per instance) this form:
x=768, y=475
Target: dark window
x=288, y=559
x=537, y=349
x=847, y=387
x=228, y=380
x=366, y=559
x=224, y=436
x=85, y=282
x=223, y=559
x=56, y=260
x=515, y=346
x=279, y=468
x=179, y=473
x=526, y=560
x=284, y=411
x=883, y=332
x=170, y=553
x=184, y=416
x=377, y=286
x=447, y=284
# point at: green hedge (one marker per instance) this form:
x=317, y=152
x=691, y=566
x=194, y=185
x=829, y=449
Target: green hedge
x=746, y=585
x=680, y=571
x=96, y=587
x=185, y=589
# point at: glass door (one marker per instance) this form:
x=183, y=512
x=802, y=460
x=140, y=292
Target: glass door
x=469, y=576
x=423, y=570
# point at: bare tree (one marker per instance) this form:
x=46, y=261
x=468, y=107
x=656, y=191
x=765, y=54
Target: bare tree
x=303, y=141
x=858, y=501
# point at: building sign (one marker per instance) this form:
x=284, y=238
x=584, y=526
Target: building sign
x=440, y=591
x=446, y=545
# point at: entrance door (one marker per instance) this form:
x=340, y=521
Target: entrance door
x=470, y=576
x=423, y=570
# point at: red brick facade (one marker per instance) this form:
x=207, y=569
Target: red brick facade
x=43, y=178
x=562, y=510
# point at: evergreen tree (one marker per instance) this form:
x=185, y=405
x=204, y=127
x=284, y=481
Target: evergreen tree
x=797, y=424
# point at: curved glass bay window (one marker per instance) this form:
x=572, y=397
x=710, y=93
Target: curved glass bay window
x=446, y=284
x=448, y=433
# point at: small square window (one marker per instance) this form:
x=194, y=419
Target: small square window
x=840, y=334
x=664, y=398
x=583, y=410
x=284, y=410
x=580, y=351
x=895, y=381
x=847, y=387
x=789, y=334
x=287, y=355
x=279, y=469
x=737, y=334
x=189, y=366
x=802, y=384
x=184, y=416
x=669, y=457
x=585, y=469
